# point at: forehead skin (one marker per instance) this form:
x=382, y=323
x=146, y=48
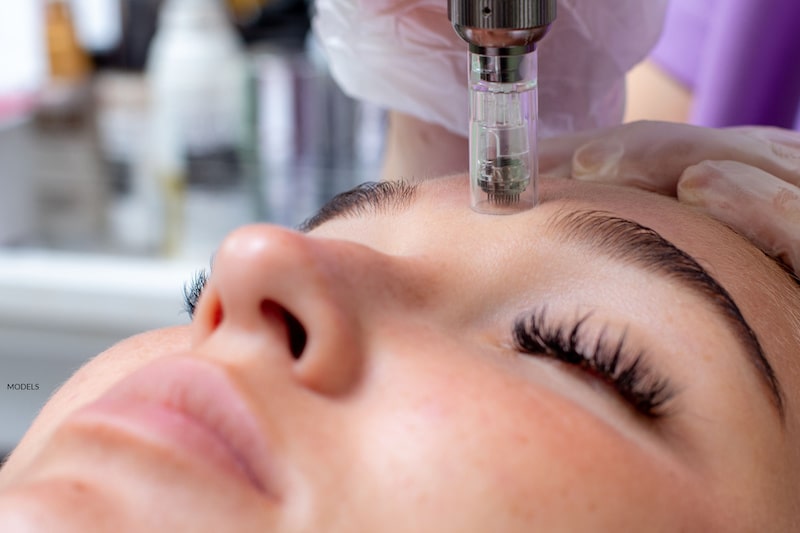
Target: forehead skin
x=768, y=299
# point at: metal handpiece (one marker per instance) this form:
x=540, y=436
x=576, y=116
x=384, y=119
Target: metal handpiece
x=502, y=37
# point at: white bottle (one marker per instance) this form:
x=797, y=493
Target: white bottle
x=197, y=73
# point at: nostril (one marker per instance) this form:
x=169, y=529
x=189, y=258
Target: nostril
x=297, y=334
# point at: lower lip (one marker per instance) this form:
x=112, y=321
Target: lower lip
x=169, y=430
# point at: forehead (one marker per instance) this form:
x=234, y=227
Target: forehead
x=767, y=297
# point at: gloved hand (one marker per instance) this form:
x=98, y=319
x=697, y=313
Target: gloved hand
x=404, y=55
x=748, y=177
x=760, y=205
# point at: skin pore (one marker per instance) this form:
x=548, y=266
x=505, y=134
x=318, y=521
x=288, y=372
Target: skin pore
x=405, y=405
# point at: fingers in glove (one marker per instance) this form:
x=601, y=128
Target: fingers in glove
x=781, y=150
x=555, y=153
x=761, y=206
x=653, y=155
x=604, y=161
x=648, y=155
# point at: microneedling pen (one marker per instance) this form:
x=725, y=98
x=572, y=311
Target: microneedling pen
x=502, y=37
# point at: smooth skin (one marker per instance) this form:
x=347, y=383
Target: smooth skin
x=409, y=409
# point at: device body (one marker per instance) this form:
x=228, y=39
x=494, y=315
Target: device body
x=502, y=37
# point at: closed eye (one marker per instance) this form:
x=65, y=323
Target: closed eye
x=612, y=362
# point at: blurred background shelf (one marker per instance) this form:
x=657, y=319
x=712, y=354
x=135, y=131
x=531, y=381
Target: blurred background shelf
x=91, y=249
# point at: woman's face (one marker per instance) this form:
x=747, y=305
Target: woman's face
x=416, y=366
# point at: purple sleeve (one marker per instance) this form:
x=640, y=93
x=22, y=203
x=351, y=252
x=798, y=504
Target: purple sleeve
x=740, y=57
x=683, y=38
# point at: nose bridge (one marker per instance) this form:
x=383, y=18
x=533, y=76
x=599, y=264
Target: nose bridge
x=265, y=262
x=272, y=285
x=273, y=262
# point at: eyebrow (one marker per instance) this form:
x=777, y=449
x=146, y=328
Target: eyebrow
x=371, y=197
x=615, y=237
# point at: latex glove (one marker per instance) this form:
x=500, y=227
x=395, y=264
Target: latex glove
x=405, y=55
x=763, y=207
x=748, y=177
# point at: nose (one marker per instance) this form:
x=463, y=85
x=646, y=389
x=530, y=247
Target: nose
x=281, y=294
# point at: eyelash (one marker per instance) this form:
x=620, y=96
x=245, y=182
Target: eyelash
x=610, y=362
x=192, y=290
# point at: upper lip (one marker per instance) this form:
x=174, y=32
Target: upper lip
x=207, y=394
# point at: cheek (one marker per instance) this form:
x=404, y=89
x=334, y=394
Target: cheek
x=62, y=505
x=466, y=439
